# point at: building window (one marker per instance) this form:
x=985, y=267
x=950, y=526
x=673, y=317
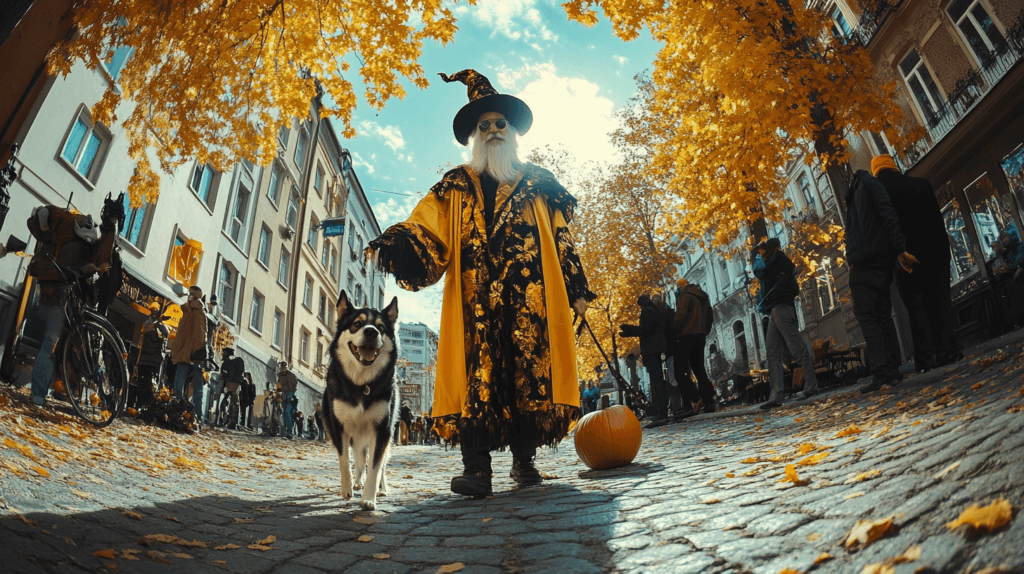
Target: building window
x=319, y=354
x=282, y=268
x=274, y=191
x=840, y=28
x=359, y=297
x=307, y=293
x=993, y=215
x=334, y=261
x=321, y=310
x=380, y=301
x=227, y=282
x=239, y=213
x=134, y=220
x=1013, y=167
x=330, y=315
x=962, y=263
x=977, y=28
x=300, y=146
x=293, y=209
x=256, y=316
x=807, y=193
x=355, y=244
x=351, y=283
x=318, y=181
x=325, y=254
x=314, y=232
x=266, y=238
x=926, y=94
x=202, y=182
x=282, y=133
x=85, y=145
x=304, y=347
x=278, y=327
x=116, y=60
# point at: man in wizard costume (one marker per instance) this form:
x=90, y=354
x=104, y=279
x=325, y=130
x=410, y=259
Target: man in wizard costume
x=506, y=365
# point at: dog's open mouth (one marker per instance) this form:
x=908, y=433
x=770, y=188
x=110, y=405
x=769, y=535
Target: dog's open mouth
x=366, y=354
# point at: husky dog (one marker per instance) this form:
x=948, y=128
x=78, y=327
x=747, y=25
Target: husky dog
x=361, y=401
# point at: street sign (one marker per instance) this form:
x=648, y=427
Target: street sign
x=333, y=227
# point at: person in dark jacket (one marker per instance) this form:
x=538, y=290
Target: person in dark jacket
x=691, y=324
x=151, y=355
x=232, y=370
x=778, y=287
x=247, y=397
x=926, y=291
x=874, y=242
x=651, y=331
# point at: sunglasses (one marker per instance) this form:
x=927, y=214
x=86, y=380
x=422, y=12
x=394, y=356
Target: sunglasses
x=486, y=125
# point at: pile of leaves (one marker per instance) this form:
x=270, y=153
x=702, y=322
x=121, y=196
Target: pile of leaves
x=170, y=413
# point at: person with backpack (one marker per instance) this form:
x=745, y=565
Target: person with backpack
x=778, y=288
x=693, y=320
x=70, y=238
x=874, y=244
x=651, y=332
x=188, y=350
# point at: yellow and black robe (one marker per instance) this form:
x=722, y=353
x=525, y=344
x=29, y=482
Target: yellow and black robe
x=506, y=357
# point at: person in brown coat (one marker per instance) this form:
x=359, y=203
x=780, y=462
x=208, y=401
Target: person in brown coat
x=190, y=338
x=692, y=324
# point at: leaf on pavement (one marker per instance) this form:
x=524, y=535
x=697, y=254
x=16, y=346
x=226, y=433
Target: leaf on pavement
x=449, y=568
x=80, y=494
x=243, y=520
x=789, y=571
x=863, y=476
x=850, y=430
x=381, y=556
x=878, y=568
x=268, y=540
x=806, y=448
x=262, y=547
x=106, y=553
x=813, y=459
x=749, y=460
x=867, y=531
x=365, y=538
x=822, y=558
x=158, y=556
x=911, y=554
x=792, y=476
x=130, y=554
x=181, y=555
x=990, y=518
x=487, y=519
x=729, y=475
x=711, y=501
x=227, y=547
x=131, y=514
x=41, y=471
x=853, y=495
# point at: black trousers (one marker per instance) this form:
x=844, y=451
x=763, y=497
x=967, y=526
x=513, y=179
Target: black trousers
x=872, y=305
x=659, y=392
x=689, y=357
x=926, y=294
x=476, y=447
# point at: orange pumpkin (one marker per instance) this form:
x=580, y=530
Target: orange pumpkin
x=608, y=438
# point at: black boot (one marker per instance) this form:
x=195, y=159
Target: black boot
x=476, y=460
x=523, y=472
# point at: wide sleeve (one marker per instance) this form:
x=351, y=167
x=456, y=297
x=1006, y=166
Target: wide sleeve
x=416, y=251
x=572, y=269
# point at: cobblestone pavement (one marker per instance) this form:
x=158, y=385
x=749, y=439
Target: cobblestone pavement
x=702, y=496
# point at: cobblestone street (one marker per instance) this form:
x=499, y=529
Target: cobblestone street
x=708, y=495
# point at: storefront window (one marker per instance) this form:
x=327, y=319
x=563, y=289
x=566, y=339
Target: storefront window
x=992, y=214
x=962, y=263
x=1013, y=167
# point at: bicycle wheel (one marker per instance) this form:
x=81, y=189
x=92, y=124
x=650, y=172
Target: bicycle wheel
x=95, y=373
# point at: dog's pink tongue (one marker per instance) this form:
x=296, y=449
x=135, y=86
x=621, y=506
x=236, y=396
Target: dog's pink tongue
x=367, y=352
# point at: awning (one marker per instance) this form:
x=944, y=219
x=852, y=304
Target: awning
x=157, y=288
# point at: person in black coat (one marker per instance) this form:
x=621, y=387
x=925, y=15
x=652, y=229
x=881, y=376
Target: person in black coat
x=926, y=291
x=651, y=331
x=247, y=396
x=874, y=243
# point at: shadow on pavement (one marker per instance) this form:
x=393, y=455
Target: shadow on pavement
x=630, y=470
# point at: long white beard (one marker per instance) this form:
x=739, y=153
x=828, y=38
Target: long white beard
x=500, y=160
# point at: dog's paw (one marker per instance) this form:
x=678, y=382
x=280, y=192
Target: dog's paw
x=346, y=493
x=368, y=505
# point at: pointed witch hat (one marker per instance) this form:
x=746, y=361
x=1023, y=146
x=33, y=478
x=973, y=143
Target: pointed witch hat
x=484, y=98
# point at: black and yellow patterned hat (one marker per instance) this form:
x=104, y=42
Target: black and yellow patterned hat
x=484, y=98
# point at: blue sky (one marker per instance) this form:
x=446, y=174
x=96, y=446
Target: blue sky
x=573, y=78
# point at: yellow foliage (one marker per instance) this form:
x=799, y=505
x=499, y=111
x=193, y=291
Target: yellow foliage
x=988, y=518
x=214, y=81
x=850, y=430
x=867, y=531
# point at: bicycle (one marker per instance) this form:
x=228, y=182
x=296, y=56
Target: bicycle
x=227, y=408
x=92, y=358
x=272, y=418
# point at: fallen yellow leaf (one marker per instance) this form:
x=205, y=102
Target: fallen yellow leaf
x=878, y=568
x=991, y=517
x=729, y=475
x=822, y=558
x=791, y=476
x=108, y=554
x=867, y=531
x=749, y=460
x=813, y=459
x=382, y=556
x=789, y=571
x=41, y=471
x=850, y=430
x=268, y=540
x=853, y=495
x=863, y=476
x=911, y=554
x=487, y=519
x=262, y=547
x=806, y=448
x=181, y=555
x=449, y=568
x=365, y=538
x=227, y=547
x=131, y=514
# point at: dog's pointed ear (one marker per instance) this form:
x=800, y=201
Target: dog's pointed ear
x=344, y=306
x=391, y=311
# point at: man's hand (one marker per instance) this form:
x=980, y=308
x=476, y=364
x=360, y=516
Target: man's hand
x=907, y=261
x=580, y=306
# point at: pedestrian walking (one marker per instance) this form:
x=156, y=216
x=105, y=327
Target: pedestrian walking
x=925, y=292
x=692, y=323
x=318, y=416
x=776, y=275
x=188, y=350
x=506, y=359
x=288, y=384
x=651, y=332
x=874, y=244
x=232, y=373
x=299, y=420
x=155, y=335
x=247, y=397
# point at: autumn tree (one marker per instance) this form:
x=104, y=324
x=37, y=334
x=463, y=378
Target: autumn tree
x=740, y=88
x=216, y=80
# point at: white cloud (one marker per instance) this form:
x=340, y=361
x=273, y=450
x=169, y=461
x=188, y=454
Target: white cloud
x=419, y=307
x=358, y=160
x=391, y=135
x=569, y=112
x=514, y=19
x=394, y=210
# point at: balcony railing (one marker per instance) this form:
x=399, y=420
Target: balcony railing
x=872, y=20
x=968, y=92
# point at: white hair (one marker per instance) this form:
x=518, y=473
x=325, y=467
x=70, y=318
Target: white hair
x=500, y=160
